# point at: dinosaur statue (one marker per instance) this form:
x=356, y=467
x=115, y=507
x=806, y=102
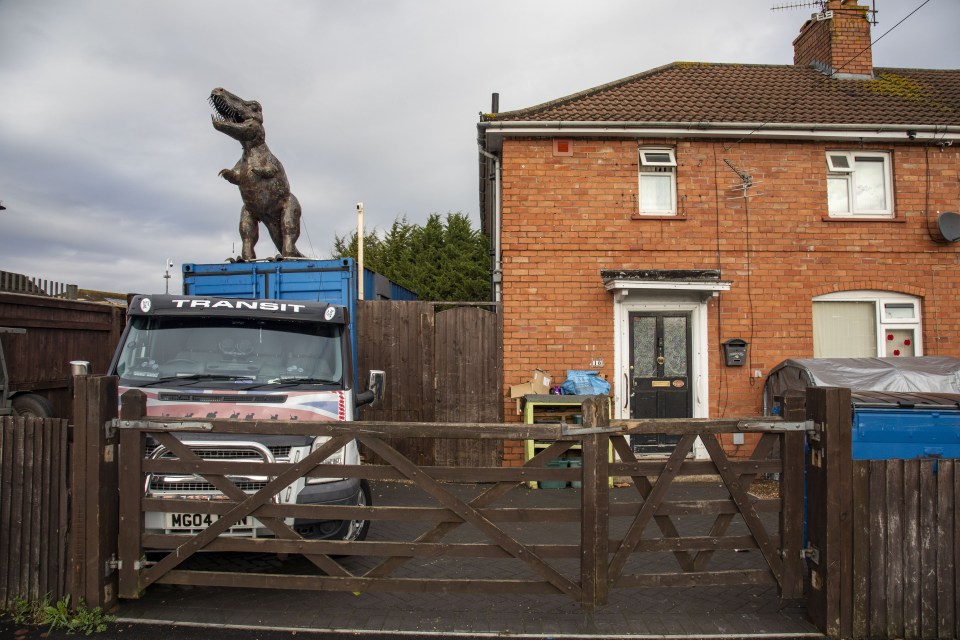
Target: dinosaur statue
x=263, y=182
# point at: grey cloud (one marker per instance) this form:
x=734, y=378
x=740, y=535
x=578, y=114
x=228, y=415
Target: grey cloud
x=108, y=162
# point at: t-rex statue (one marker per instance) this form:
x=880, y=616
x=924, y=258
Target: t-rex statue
x=263, y=182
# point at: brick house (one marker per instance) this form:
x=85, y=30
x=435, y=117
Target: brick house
x=795, y=208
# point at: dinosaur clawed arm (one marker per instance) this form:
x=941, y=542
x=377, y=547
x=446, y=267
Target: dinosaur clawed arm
x=229, y=175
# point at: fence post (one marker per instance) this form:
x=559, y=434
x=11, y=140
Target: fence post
x=830, y=511
x=132, y=443
x=792, y=497
x=595, y=504
x=93, y=508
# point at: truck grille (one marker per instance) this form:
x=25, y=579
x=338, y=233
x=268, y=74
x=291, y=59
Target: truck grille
x=158, y=485
x=186, y=484
x=279, y=453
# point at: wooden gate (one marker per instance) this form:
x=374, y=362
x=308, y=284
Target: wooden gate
x=443, y=364
x=607, y=543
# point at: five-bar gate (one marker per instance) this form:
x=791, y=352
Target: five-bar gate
x=607, y=542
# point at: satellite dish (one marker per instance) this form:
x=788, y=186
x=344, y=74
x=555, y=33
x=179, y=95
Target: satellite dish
x=949, y=225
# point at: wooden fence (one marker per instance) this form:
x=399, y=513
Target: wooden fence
x=905, y=524
x=19, y=283
x=57, y=331
x=34, y=457
x=881, y=548
x=443, y=364
x=883, y=535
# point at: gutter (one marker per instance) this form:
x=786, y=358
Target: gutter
x=800, y=130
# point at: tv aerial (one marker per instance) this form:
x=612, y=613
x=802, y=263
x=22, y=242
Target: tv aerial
x=823, y=14
x=744, y=185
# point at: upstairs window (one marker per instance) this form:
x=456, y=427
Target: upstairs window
x=658, y=182
x=858, y=184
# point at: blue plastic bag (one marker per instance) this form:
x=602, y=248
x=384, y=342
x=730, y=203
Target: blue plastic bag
x=584, y=383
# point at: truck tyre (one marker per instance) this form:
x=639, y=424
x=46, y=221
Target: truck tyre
x=358, y=529
x=31, y=405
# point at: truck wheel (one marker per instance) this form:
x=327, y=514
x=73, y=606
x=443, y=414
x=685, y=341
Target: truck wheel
x=358, y=528
x=31, y=405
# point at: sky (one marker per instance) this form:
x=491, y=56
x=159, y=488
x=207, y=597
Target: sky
x=109, y=163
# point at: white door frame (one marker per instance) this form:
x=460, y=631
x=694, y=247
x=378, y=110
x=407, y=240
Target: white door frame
x=627, y=301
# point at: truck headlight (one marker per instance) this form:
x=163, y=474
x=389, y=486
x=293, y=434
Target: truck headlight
x=338, y=457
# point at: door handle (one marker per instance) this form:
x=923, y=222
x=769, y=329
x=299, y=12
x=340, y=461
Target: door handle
x=626, y=390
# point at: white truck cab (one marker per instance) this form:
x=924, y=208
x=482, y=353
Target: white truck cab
x=207, y=357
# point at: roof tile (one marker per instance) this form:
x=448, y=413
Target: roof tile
x=739, y=93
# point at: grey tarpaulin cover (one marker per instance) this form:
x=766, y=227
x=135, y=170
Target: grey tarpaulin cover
x=925, y=373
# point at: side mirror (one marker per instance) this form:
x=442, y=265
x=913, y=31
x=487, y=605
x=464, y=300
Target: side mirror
x=374, y=393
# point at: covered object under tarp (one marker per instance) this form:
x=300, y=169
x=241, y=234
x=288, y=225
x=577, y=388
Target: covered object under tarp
x=936, y=374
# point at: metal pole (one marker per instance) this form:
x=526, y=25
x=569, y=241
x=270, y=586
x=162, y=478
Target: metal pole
x=360, y=251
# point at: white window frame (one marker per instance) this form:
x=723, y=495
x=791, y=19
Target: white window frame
x=841, y=166
x=650, y=165
x=883, y=320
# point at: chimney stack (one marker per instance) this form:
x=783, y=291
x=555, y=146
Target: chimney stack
x=837, y=41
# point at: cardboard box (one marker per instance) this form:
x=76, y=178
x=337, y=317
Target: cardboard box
x=538, y=385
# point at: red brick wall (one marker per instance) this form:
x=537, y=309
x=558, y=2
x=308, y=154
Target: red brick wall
x=566, y=218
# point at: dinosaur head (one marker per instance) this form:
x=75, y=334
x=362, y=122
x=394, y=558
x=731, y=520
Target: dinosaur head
x=238, y=118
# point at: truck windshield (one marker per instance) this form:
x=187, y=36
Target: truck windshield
x=207, y=352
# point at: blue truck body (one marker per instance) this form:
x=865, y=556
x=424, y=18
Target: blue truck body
x=333, y=281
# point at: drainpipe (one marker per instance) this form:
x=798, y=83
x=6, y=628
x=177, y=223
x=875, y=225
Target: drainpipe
x=497, y=266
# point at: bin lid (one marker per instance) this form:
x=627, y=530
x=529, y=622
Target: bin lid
x=905, y=400
x=924, y=374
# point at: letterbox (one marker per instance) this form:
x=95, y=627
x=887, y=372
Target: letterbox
x=735, y=352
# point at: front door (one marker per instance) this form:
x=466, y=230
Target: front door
x=660, y=374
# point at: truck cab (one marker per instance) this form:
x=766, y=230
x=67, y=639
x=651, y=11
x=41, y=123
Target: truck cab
x=209, y=357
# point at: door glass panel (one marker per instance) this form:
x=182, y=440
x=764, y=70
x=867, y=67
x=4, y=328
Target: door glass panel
x=675, y=347
x=644, y=347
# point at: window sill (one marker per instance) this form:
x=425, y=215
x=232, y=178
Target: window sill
x=898, y=220
x=658, y=216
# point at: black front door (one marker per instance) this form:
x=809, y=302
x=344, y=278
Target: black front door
x=660, y=374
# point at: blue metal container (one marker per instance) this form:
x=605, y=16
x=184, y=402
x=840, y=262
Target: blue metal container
x=332, y=281
x=905, y=426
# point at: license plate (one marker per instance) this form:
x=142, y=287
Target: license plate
x=194, y=521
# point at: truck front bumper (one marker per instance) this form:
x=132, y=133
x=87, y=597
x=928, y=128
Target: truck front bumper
x=345, y=492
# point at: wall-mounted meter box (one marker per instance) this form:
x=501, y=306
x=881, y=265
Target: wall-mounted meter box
x=735, y=352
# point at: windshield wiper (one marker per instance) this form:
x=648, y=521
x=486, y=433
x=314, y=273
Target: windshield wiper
x=285, y=382
x=194, y=376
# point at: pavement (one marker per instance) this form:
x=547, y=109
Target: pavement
x=746, y=611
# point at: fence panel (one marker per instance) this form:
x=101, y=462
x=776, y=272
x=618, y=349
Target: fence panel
x=33, y=509
x=57, y=331
x=443, y=365
x=907, y=553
